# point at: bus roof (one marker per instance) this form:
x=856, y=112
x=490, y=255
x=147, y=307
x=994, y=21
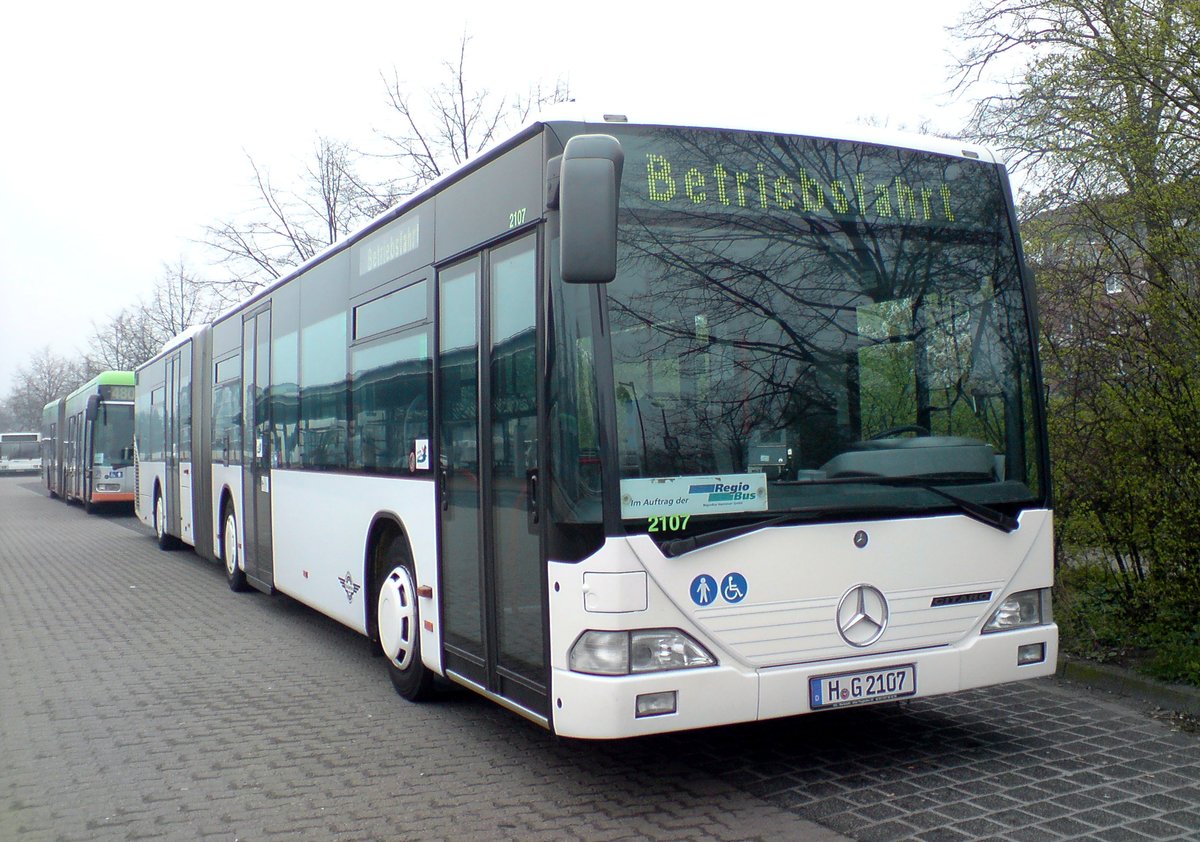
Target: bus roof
x=104, y=378
x=571, y=113
x=774, y=124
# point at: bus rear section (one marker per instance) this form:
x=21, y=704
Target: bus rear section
x=172, y=433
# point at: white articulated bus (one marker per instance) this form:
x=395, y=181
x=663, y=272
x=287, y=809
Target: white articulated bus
x=635, y=428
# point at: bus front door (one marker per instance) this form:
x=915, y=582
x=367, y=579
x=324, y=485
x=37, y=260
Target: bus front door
x=492, y=560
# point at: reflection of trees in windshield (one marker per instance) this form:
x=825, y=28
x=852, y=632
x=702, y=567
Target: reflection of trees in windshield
x=113, y=436
x=780, y=299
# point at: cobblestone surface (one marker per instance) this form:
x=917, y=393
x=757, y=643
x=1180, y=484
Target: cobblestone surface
x=141, y=699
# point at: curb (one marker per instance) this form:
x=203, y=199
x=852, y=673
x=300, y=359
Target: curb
x=1123, y=682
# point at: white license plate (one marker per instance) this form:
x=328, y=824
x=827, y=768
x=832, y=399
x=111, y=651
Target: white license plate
x=857, y=688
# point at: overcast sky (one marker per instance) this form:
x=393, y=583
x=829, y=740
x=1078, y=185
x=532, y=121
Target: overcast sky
x=124, y=127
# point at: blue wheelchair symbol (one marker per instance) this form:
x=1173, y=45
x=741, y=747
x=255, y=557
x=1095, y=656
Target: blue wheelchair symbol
x=703, y=590
x=734, y=587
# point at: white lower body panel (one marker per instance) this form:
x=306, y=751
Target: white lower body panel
x=599, y=707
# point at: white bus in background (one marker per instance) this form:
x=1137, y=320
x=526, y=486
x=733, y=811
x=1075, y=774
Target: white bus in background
x=635, y=428
x=20, y=453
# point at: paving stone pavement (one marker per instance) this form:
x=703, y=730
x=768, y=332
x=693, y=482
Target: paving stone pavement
x=141, y=699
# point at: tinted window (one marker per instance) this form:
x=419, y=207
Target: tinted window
x=227, y=414
x=391, y=394
x=155, y=438
x=185, y=404
x=791, y=310
x=285, y=377
x=323, y=395
x=404, y=306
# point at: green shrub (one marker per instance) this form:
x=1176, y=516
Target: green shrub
x=1151, y=626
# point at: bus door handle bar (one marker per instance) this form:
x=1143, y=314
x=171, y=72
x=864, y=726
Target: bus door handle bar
x=531, y=489
x=444, y=475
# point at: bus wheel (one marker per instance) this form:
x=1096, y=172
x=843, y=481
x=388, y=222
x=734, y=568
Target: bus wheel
x=230, y=554
x=399, y=621
x=165, y=541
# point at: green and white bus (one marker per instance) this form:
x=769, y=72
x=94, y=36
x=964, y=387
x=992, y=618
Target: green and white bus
x=19, y=453
x=635, y=427
x=87, y=442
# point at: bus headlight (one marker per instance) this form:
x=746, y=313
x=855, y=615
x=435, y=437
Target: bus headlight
x=641, y=651
x=1020, y=610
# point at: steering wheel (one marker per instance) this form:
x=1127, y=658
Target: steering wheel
x=892, y=432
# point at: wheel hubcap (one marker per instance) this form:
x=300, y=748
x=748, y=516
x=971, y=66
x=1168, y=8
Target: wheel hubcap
x=397, y=612
x=231, y=550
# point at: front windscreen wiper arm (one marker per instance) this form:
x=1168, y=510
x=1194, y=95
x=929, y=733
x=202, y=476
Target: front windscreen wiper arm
x=976, y=511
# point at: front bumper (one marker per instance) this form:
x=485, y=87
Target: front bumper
x=604, y=707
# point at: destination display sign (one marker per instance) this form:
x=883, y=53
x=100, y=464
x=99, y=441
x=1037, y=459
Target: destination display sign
x=718, y=185
x=741, y=173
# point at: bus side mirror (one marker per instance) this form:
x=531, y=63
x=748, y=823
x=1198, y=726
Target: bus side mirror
x=588, y=189
x=93, y=407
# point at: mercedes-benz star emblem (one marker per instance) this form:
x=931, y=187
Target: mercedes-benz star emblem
x=862, y=615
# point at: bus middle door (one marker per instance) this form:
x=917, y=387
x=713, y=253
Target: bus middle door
x=171, y=445
x=256, y=462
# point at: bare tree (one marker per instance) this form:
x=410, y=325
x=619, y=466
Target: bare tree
x=293, y=223
x=454, y=121
x=121, y=344
x=297, y=219
x=7, y=418
x=44, y=378
x=178, y=301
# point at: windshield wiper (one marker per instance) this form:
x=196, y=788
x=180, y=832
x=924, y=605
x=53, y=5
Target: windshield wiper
x=679, y=546
x=976, y=511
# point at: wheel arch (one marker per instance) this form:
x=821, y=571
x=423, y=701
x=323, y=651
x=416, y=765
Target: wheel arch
x=382, y=525
x=225, y=499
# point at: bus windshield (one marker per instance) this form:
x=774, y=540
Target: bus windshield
x=113, y=438
x=816, y=325
x=19, y=447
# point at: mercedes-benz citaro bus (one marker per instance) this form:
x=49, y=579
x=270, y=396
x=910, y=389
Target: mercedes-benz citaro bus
x=638, y=427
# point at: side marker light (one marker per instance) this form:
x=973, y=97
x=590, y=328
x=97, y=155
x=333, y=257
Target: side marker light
x=656, y=704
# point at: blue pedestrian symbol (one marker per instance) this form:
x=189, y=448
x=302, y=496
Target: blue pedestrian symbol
x=733, y=588
x=704, y=590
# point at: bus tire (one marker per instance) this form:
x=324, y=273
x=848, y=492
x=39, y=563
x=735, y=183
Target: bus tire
x=165, y=540
x=230, y=555
x=398, y=619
